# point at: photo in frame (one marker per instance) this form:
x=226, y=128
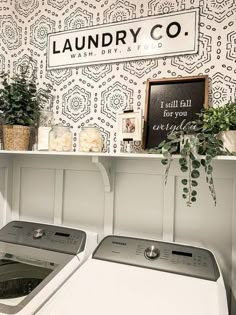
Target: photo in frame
x=171, y=104
x=130, y=126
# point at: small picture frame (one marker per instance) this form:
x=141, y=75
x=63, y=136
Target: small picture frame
x=130, y=126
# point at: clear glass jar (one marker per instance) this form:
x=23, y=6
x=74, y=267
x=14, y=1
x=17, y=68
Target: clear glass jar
x=45, y=125
x=90, y=139
x=60, y=139
x=45, y=118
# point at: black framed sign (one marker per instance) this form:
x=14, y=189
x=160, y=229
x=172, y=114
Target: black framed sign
x=171, y=104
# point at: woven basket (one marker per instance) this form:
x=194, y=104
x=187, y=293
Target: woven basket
x=16, y=138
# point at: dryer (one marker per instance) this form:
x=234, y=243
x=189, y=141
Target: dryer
x=130, y=276
x=35, y=260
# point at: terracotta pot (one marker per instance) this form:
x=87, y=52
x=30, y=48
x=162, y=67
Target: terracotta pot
x=229, y=140
x=16, y=138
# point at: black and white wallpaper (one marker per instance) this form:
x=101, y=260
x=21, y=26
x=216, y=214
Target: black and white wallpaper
x=94, y=94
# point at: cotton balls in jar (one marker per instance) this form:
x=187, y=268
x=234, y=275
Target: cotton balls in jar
x=60, y=139
x=90, y=139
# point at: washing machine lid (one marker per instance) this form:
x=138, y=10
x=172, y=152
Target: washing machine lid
x=134, y=276
x=101, y=287
x=32, y=257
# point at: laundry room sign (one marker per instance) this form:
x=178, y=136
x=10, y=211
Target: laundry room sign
x=150, y=37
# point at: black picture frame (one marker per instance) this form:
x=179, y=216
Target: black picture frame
x=170, y=104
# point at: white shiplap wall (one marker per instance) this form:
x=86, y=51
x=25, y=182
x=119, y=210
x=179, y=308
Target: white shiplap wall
x=123, y=195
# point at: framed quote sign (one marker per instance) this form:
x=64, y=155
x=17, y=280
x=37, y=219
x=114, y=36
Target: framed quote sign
x=171, y=104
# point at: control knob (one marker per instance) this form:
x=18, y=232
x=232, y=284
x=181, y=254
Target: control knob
x=38, y=233
x=152, y=252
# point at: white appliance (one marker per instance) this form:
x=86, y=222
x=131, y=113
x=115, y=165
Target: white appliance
x=129, y=276
x=35, y=260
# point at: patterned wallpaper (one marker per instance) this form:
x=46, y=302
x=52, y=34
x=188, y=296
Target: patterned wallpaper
x=94, y=94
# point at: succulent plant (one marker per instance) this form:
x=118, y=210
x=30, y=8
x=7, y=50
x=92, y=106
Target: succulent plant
x=221, y=118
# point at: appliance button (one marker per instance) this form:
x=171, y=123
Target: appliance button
x=38, y=233
x=152, y=252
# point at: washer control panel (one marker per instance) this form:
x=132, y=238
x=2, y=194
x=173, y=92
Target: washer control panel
x=163, y=256
x=49, y=237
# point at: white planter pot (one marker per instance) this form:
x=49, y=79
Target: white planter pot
x=229, y=140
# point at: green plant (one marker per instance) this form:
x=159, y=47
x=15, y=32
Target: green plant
x=216, y=119
x=190, y=147
x=20, y=101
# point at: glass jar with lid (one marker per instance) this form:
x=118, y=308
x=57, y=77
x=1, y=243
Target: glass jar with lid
x=90, y=139
x=60, y=139
x=45, y=125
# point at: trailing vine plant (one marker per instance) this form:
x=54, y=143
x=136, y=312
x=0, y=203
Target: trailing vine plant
x=197, y=151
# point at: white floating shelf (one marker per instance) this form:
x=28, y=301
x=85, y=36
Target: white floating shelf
x=101, y=154
x=103, y=161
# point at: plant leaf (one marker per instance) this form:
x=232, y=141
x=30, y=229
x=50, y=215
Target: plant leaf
x=194, y=183
x=195, y=174
x=184, y=168
x=196, y=164
x=164, y=161
x=182, y=161
x=203, y=162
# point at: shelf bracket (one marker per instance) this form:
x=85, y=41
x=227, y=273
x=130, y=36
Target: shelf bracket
x=104, y=165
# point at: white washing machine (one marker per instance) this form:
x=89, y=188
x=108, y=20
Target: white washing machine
x=130, y=276
x=35, y=260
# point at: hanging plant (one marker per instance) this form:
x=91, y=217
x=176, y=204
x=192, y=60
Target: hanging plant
x=197, y=151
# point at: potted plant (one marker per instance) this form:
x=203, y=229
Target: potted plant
x=20, y=105
x=222, y=121
x=191, y=161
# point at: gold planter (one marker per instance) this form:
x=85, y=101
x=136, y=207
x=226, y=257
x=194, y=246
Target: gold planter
x=16, y=138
